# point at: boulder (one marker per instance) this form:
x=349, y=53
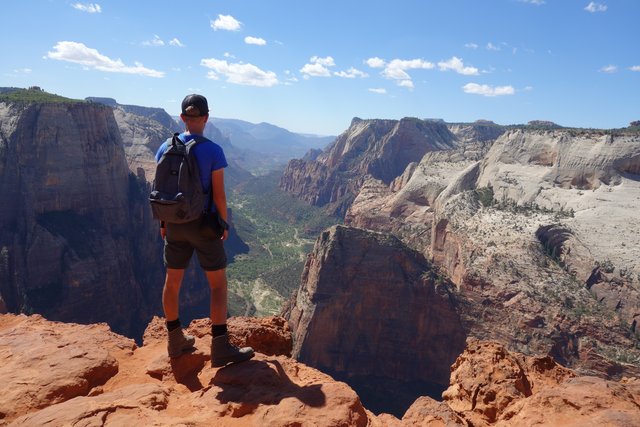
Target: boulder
x=69, y=374
x=45, y=363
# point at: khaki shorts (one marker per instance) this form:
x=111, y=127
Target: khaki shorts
x=182, y=239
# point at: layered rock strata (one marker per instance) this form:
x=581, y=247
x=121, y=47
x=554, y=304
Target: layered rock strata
x=372, y=312
x=525, y=233
x=377, y=149
x=76, y=241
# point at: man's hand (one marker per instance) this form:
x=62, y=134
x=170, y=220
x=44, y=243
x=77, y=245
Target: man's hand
x=225, y=235
x=163, y=232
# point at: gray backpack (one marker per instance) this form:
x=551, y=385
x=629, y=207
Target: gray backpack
x=176, y=194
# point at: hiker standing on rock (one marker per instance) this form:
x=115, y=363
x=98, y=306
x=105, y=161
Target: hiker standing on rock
x=189, y=198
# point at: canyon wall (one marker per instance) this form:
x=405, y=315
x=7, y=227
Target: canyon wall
x=371, y=312
x=377, y=149
x=534, y=228
x=75, y=237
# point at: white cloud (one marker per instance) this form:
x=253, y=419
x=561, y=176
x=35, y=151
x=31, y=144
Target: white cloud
x=491, y=46
x=381, y=91
x=594, y=7
x=315, y=70
x=23, y=71
x=317, y=67
x=487, y=90
x=396, y=69
x=89, y=7
x=375, y=62
x=536, y=2
x=635, y=68
x=471, y=45
x=156, y=41
x=255, y=40
x=609, y=69
x=78, y=53
x=239, y=73
x=326, y=61
x=226, y=22
x=406, y=83
x=176, y=42
x=351, y=73
x=457, y=65
x=229, y=55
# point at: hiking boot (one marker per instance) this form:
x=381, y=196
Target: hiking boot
x=179, y=343
x=223, y=352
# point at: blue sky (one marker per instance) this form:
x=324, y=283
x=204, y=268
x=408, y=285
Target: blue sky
x=313, y=66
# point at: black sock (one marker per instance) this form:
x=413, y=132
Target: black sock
x=217, y=330
x=173, y=324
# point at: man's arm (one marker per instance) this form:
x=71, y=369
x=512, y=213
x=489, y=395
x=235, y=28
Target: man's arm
x=219, y=196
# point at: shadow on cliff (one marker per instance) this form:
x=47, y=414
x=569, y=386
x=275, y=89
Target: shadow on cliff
x=258, y=382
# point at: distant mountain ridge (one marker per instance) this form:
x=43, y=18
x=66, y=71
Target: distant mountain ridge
x=265, y=136
x=381, y=149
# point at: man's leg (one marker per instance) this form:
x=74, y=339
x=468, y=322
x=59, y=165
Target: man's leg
x=222, y=351
x=171, y=293
x=218, y=304
x=178, y=342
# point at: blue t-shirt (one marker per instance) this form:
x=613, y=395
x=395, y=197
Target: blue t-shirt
x=209, y=155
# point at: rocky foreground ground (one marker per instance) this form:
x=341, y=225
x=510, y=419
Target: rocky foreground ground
x=68, y=374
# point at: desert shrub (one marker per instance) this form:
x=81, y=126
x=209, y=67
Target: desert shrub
x=485, y=196
x=606, y=266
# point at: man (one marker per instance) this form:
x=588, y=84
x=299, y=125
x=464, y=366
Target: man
x=180, y=240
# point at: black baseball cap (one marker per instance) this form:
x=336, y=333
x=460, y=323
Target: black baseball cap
x=195, y=105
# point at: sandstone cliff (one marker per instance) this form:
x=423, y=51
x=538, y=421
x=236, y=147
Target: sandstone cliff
x=525, y=233
x=377, y=149
x=100, y=378
x=373, y=313
x=74, y=225
x=573, y=197
x=142, y=136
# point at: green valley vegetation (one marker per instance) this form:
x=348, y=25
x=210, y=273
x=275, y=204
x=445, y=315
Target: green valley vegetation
x=34, y=94
x=280, y=231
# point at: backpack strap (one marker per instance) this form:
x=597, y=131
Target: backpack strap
x=176, y=140
x=196, y=139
